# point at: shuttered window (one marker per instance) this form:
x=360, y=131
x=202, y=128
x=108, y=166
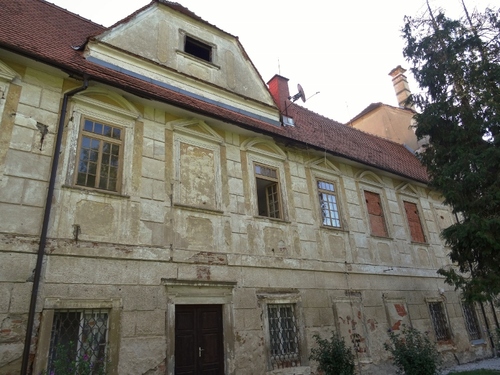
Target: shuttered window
x=376, y=214
x=416, y=231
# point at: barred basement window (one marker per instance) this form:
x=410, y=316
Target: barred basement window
x=283, y=334
x=78, y=342
x=328, y=204
x=471, y=321
x=99, y=164
x=439, y=321
x=268, y=191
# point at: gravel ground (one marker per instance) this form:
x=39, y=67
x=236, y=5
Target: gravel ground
x=490, y=364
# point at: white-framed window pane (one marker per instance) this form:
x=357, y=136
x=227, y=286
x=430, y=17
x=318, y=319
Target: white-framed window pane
x=328, y=204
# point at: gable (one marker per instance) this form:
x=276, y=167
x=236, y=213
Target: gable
x=163, y=44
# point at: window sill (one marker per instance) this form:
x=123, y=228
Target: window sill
x=478, y=342
x=381, y=237
x=198, y=60
x=336, y=229
x=212, y=211
x=95, y=191
x=273, y=219
x=419, y=243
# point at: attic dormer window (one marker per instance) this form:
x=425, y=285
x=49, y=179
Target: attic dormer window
x=198, y=49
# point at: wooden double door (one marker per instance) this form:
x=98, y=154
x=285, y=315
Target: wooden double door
x=198, y=340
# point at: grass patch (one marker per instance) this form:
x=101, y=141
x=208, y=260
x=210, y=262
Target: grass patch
x=476, y=372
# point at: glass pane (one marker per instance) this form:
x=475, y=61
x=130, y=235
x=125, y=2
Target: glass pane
x=92, y=168
x=81, y=179
x=94, y=144
x=116, y=133
x=93, y=156
x=98, y=128
x=115, y=149
x=88, y=126
x=90, y=181
x=107, y=130
x=85, y=142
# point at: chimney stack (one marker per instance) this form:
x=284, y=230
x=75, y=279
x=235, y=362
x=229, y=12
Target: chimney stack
x=278, y=86
x=401, y=87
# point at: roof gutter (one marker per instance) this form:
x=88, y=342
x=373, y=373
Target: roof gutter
x=45, y=225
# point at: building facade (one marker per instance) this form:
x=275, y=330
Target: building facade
x=188, y=230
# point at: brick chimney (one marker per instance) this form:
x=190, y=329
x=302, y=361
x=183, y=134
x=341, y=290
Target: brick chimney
x=401, y=87
x=278, y=86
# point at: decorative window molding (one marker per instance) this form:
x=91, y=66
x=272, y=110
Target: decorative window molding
x=264, y=148
x=7, y=74
x=209, y=147
x=368, y=177
x=196, y=128
x=324, y=165
x=121, y=116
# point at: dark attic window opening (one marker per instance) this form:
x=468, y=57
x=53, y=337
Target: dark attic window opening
x=196, y=48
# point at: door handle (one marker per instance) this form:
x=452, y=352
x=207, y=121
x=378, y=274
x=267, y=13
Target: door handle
x=199, y=351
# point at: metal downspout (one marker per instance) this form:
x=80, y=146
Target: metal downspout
x=43, y=234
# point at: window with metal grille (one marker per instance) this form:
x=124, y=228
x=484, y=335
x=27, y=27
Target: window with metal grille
x=471, y=321
x=328, y=204
x=99, y=156
x=268, y=191
x=283, y=334
x=78, y=342
x=439, y=321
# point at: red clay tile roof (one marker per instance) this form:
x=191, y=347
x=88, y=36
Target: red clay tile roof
x=47, y=33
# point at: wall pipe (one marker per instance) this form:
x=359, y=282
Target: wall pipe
x=45, y=225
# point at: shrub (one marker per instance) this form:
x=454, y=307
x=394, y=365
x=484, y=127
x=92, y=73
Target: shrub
x=334, y=356
x=413, y=352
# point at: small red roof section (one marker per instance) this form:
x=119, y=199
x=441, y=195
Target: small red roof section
x=50, y=34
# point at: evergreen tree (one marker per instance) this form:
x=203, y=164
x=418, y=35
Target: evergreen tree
x=457, y=66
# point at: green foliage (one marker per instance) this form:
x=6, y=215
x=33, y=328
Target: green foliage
x=413, y=352
x=457, y=66
x=334, y=357
x=66, y=362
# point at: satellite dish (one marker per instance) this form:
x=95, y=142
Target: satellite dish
x=300, y=94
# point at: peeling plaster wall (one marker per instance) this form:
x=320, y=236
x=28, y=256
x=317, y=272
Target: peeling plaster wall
x=129, y=243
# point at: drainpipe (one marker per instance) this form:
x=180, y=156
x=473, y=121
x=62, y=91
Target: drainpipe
x=43, y=234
